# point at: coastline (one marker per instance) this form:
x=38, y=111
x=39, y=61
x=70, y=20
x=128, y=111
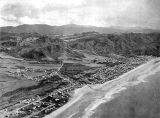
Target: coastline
x=106, y=90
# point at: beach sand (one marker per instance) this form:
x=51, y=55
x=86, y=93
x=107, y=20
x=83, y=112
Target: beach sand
x=87, y=100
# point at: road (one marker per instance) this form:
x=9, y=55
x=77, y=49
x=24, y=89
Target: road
x=98, y=101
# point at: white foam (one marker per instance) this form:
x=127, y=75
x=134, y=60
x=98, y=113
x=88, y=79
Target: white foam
x=112, y=87
x=108, y=96
x=117, y=89
x=72, y=114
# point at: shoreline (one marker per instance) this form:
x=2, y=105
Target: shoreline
x=119, y=83
x=117, y=90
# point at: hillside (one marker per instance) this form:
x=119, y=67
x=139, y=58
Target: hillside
x=127, y=44
x=36, y=46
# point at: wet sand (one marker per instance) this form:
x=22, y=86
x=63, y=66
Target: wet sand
x=92, y=102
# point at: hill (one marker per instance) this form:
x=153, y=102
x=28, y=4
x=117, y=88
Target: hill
x=127, y=44
x=71, y=29
x=37, y=46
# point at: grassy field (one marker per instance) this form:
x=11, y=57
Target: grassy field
x=9, y=84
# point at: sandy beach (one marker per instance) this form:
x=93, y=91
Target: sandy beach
x=85, y=100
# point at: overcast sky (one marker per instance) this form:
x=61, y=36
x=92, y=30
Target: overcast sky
x=104, y=13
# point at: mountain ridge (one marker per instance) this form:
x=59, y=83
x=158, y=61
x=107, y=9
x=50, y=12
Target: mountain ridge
x=71, y=29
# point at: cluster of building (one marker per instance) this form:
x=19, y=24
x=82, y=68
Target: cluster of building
x=46, y=105
x=41, y=105
x=43, y=77
x=140, y=59
x=20, y=74
x=103, y=74
x=36, y=70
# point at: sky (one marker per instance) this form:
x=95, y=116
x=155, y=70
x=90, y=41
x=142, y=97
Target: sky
x=101, y=13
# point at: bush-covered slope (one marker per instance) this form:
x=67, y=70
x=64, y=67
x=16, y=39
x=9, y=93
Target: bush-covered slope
x=123, y=44
x=35, y=46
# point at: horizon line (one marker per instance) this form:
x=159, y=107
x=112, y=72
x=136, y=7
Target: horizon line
x=111, y=26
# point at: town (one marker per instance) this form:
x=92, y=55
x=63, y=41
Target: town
x=55, y=86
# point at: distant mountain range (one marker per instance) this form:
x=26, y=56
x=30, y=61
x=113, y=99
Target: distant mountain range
x=71, y=29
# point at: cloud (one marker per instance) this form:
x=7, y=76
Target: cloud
x=14, y=12
x=154, y=5
x=142, y=13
